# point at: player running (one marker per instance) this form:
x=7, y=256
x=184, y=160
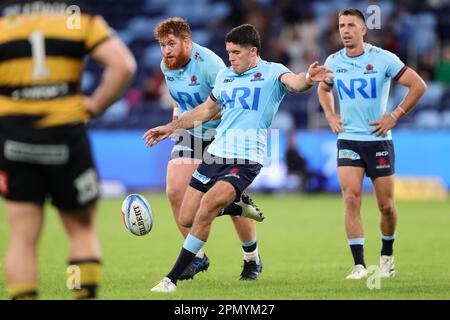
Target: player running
x=247, y=95
x=363, y=74
x=190, y=71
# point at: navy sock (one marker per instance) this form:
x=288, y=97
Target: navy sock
x=232, y=210
x=250, y=246
x=183, y=261
x=387, y=247
x=358, y=254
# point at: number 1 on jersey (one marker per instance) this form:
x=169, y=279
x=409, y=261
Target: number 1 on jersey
x=40, y=69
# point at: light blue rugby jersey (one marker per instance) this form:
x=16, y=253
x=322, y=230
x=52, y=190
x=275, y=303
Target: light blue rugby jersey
x=249, y=102
x=362, y=84
x=192, y=84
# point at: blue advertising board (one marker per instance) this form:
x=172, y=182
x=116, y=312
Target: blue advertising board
x=122, y=156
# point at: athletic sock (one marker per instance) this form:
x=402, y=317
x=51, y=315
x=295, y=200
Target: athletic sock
x=231, y=210
x=387, y=248
x=250, y=250
x=22, y=291
x=191, y=247
x=357, y=248
x=89, y=278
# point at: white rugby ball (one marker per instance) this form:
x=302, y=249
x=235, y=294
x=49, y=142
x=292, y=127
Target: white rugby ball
x=137, y=214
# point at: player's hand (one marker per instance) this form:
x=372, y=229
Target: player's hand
x=218, y=116
x=319, y=73
x=157, y=134
x=383, y=125
x=335, y=122
x=91, y=108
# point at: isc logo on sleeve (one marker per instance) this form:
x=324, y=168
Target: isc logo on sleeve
x=358, y=88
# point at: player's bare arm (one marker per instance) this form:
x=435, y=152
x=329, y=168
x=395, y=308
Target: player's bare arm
x=305, y=80
x=417, y=88
x=326, y=98
x=202, y=113
x=176, y=111
x=120, y=67
x=176, y=114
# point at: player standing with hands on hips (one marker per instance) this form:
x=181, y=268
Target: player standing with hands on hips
x=363, y=74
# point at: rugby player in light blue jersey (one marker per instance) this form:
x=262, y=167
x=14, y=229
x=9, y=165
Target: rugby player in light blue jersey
x=247, y=95
x=190, y=71
x=362, y=77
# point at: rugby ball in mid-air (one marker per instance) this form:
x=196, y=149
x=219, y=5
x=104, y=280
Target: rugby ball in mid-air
x=137, y=214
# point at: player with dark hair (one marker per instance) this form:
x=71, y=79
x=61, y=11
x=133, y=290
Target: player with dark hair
x=190, y=71
x=45, y=151
x=247, y=95
x=363, y=74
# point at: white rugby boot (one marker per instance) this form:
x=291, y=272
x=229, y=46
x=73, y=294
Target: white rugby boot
x=358, y=272
x=165, y=285
x=249, y=209
x=387, y=267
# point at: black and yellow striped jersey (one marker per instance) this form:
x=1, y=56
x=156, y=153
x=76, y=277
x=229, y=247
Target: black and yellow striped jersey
x=42, y=50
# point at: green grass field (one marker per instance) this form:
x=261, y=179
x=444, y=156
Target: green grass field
x=302, y=243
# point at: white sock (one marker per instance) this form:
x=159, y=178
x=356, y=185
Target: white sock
x=251, y=256
x=200, y=254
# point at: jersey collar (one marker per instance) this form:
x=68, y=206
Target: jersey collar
x=359, y=55
x=249, y=70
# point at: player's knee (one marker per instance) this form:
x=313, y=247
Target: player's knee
x=174, y=193
x=80, y=218
x=387, y=209
x=24, y=243
x=81, y=226
x=352, y=199
x=185, y=220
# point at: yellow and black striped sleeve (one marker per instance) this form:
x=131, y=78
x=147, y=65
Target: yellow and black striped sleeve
x=42, y=59
x=98, y=32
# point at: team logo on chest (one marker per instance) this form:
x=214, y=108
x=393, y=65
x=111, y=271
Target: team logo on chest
x=370, y=69
x=257, y=77
x=194, y=81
